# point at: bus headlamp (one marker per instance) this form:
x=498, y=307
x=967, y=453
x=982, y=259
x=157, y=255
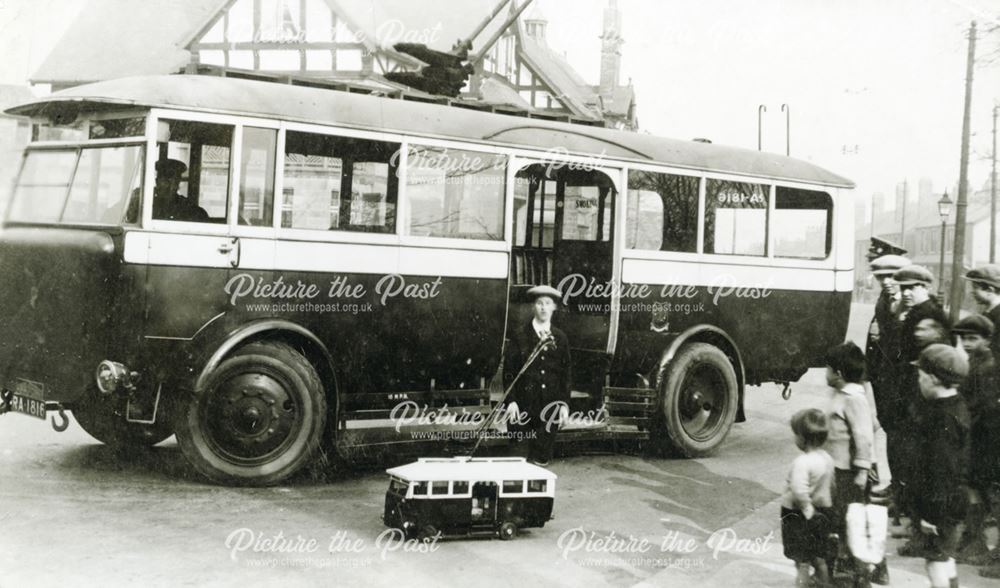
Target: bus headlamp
x=112, y=376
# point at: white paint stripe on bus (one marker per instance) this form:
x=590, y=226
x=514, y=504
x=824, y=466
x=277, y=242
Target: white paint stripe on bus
x=642, y=271
x=281, y=255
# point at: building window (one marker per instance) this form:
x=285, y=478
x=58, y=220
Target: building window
x=662, y=212
x=455, y=193
x=802, y=223
x=735, y=218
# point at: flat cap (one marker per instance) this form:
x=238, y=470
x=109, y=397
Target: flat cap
x=172, y=167
x=539, y=291
x=880, y=247
x=985, y=274
x=888, y=264
x=974, y=323
x=943, y=361
x=913, y=274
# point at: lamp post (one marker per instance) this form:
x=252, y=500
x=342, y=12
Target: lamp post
x=944, y=209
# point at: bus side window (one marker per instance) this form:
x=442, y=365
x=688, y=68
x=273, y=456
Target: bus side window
x=420, y=489
x=201, y=193
x=513, y=486
x=537, y=485
x=460, y=488
x=455, y=193
x=257, y=176
x=439, y=488
x=735, y=218
x=339, y=183
x=662, y=212
x=802, y=223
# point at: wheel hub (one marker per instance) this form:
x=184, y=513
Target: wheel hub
x=251, y=415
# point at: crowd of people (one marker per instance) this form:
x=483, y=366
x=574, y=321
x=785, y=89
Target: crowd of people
x=925, y=393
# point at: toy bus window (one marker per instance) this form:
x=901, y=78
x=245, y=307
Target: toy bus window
x=454, y=193
x=198, y=191
x=662, y=212
x=257, y=177
x=439, y=488
x=420, y=489
x=339, y=183
x=537, y=485
x=802, y=223
x=459, y=488
x=513, y=486
x=735, y=218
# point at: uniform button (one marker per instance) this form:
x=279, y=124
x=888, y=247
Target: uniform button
x=543, y=386
x=543, y=371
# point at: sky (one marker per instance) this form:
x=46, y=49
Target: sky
x=874, y=87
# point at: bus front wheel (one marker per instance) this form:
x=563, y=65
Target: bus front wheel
x=259, y=418
x=700, y=396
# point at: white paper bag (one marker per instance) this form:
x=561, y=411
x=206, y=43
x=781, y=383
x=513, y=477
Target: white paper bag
x=867, y=528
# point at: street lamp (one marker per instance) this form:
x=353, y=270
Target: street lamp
x=944, y=209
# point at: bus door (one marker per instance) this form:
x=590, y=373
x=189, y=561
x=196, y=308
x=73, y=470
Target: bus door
x=564, y=221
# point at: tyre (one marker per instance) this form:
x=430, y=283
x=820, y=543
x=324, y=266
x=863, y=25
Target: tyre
x=700, y=397
x=259, y=419
x=507, y=531
x=103, y=418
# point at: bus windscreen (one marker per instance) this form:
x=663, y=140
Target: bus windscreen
x=90, y=185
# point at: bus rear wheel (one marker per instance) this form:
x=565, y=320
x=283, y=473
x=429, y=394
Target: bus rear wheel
x=507, y=531
x=259, y=419
x=700, y=396
x=102, y=418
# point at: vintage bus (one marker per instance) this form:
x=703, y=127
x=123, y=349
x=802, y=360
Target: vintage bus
x=351, y=252
x=462, y=496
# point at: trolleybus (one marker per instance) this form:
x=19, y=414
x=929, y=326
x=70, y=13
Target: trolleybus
x=353, y=252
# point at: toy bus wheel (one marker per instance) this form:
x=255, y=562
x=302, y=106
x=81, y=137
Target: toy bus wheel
x=427, y=532
x=700, y=397
x=102, y=419
x=508, y=531
x=259, y=418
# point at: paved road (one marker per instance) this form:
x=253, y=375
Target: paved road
x=72, y=514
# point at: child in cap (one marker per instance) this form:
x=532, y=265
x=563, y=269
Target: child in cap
x=806, y=515
x=941, y=478
x=980, y=392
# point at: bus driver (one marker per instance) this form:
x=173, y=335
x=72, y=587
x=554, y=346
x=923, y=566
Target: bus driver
x=167, y=203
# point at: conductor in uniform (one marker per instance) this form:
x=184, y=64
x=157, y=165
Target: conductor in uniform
x=544, y=383
x=882, y=349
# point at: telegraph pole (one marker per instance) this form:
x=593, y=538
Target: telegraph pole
x=957, y=284
x=993, y=191
x=902, y=227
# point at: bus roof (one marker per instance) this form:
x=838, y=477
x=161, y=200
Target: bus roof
x=466, y=469
x=323, y=106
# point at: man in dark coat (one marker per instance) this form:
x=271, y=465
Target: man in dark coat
x=882, y=348
x=986, y=290
x=903, y=407
x=545, y=382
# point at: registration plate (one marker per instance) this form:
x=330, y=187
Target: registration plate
x=28, y=406
x=28, y=398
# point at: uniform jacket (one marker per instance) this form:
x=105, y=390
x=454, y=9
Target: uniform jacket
x=547, y=380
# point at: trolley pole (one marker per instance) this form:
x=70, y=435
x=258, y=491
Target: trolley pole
x=993, y=191
x=957, y=284
x=761, y=109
